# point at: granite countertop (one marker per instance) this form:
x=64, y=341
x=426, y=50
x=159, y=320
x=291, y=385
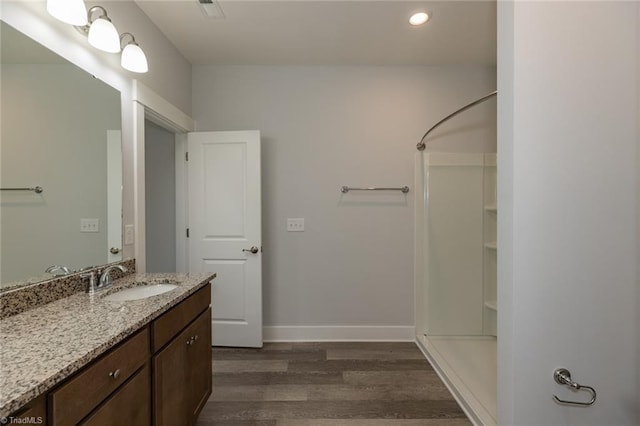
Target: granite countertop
x=43, y=346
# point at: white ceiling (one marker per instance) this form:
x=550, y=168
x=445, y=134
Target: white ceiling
x=337, y=32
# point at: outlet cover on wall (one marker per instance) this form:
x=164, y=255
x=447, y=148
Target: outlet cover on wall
x=128, y=234
x=89, y=225
x=295, y=224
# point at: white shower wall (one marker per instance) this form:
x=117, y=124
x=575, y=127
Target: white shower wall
x=457, y=283
x=454, y=244
x=456, y=252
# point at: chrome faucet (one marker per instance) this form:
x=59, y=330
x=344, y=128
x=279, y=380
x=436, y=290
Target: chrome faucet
x=105, y=280
x=58, y=271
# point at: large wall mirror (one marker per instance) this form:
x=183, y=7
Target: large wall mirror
x=60, y=131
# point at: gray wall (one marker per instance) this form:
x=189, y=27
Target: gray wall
x=323, y=127
x=54, y=134
x=160, y=193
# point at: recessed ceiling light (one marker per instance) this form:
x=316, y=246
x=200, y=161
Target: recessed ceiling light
x=419, y=18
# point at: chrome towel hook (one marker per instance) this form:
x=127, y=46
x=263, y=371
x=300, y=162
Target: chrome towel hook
x=562, y=376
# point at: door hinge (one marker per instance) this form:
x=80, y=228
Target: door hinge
x=187, y=232
x=186, y=156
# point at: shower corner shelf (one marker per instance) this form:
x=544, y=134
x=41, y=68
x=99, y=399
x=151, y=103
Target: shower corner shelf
x=491, y=246
x=491, y=304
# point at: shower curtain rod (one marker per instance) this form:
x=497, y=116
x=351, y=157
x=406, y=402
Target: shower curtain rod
x=421, y=146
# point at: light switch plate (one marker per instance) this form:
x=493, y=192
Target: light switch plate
x=295, y=224
x=89, y=225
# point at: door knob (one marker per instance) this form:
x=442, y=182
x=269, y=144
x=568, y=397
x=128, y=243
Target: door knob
x=253, y=250
x=114, y=250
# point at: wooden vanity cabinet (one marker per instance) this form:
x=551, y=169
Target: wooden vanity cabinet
x=182, y=368
x=160, y=375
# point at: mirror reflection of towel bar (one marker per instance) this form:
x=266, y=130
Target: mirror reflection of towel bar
x=37, y=189
x=346, y=189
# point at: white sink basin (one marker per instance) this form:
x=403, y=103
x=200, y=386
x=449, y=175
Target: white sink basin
x=140, y=292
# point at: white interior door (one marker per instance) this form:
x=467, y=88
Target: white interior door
x=225, y=230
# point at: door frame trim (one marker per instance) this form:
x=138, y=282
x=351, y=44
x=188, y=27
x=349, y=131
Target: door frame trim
x=148, y=105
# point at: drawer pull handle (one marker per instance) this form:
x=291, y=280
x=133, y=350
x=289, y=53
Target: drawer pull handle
x=189, y=342
x=115, y=374
x=195, y=337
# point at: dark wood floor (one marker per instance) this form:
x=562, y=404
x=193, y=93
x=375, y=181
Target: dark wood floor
x=328, y=384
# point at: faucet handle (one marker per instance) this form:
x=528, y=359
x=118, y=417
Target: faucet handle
x=105, y=277
x=57, y=270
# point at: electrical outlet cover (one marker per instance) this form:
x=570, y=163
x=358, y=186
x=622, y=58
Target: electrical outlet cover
x=89, y=225
x=295, y=224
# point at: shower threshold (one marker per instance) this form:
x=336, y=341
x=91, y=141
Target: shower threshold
x=468, y=367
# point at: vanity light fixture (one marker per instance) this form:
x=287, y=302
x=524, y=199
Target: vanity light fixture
x=419, y=18
x=133, y=58
x=101, y=32
x=71, y=12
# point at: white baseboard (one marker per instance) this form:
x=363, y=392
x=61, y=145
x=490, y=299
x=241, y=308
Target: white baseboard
x=338, y=333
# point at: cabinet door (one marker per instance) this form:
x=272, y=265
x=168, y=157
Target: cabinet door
x=171, y=376
x=182, y=372
x=35, y=412
x=130, y=405
x=200, y=363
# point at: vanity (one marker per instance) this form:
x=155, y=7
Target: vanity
x=67, y=356
x=84, y=359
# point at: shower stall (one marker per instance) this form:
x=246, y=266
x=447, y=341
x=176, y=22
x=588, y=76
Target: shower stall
x=456, y=259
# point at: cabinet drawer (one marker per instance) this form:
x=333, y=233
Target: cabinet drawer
x=171, y=323
x=130, y=405
x=79, y=396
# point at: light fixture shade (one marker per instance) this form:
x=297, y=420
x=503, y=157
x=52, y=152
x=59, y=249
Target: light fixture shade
x=71, y=12
x=133, y=59
x=104, y=36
